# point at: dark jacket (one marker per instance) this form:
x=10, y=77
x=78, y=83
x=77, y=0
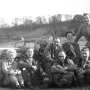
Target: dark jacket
x=69, y=53
x=83, y=31
x=50, y=53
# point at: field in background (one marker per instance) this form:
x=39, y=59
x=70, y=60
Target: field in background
x=33, y=34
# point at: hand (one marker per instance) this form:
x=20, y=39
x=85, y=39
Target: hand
x=65, y=72
x=46, y=79
x=34, y=67
x=18, y=72
x=44, y=73
x=12, y=72
x=24, y=68
x=81, y=71
x=65, y=68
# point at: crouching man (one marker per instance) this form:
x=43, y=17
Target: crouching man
x=63, y=71
x=83, y=72
x=32, y=72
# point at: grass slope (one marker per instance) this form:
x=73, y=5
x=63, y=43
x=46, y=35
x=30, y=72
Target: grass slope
x=35, y=34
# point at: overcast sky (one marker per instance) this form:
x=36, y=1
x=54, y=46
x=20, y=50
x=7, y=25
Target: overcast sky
x=10, y=9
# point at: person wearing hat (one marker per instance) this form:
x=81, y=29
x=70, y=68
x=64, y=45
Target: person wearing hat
x=71, y=49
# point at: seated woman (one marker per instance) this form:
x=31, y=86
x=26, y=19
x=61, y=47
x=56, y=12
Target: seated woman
x=32, y=72
x=63, y=71
x=72, y=49
x=12, y=73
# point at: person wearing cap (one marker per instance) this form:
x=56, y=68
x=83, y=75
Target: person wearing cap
x=84, y=30
x=71, y=49
x=12, y=73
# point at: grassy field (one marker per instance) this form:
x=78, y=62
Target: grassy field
x=34, y=34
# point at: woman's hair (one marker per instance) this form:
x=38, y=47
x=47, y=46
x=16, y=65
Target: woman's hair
x=11, y=51
x=69, y=32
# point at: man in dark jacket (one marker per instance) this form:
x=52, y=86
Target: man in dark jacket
x=63, y=70
x=84, y=67
x=50, y=55
x=84, y=30
x=32, y=71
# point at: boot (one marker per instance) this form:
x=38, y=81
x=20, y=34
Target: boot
x=30, y=86
x=45, y=85
x=22, y=86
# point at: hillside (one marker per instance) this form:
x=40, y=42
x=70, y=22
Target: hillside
x=30, y=34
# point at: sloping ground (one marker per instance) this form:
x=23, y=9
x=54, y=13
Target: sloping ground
x=63, y=39
x=33, y=34
x=30, y=34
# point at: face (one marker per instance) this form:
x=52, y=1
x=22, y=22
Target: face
x=85, y=55
x=11, y=56
x=87, y=18
x=70, y=37
x=30, y=52
x=61, y=56
x=56, y=42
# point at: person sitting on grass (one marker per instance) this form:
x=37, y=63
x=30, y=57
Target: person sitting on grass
x=71, y=49
x=83, y=72
x=12, y=73
x=63, y=71
x=50, y=56
x=32, y=71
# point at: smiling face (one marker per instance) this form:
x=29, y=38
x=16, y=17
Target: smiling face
x=85, y=54
x=61, y=56
x=56, y=42
x=70, y=37
x=11, y=56
x=87, y=18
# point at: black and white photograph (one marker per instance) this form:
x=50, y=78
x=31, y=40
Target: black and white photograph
x=44, y=44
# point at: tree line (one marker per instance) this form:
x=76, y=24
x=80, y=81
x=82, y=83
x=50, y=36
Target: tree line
x=54, y=24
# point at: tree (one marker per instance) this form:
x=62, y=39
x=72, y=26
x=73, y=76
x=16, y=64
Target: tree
x=76, y=22
x=15, y=22
x=27, y=21
x=39, y=20
x=67, y=17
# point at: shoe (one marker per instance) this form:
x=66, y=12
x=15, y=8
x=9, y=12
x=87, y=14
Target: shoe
x=22, y=86
x=30, y=86
x=45, y=85
x=18, y=87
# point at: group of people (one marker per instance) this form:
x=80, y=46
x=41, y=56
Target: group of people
x=61, y=65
